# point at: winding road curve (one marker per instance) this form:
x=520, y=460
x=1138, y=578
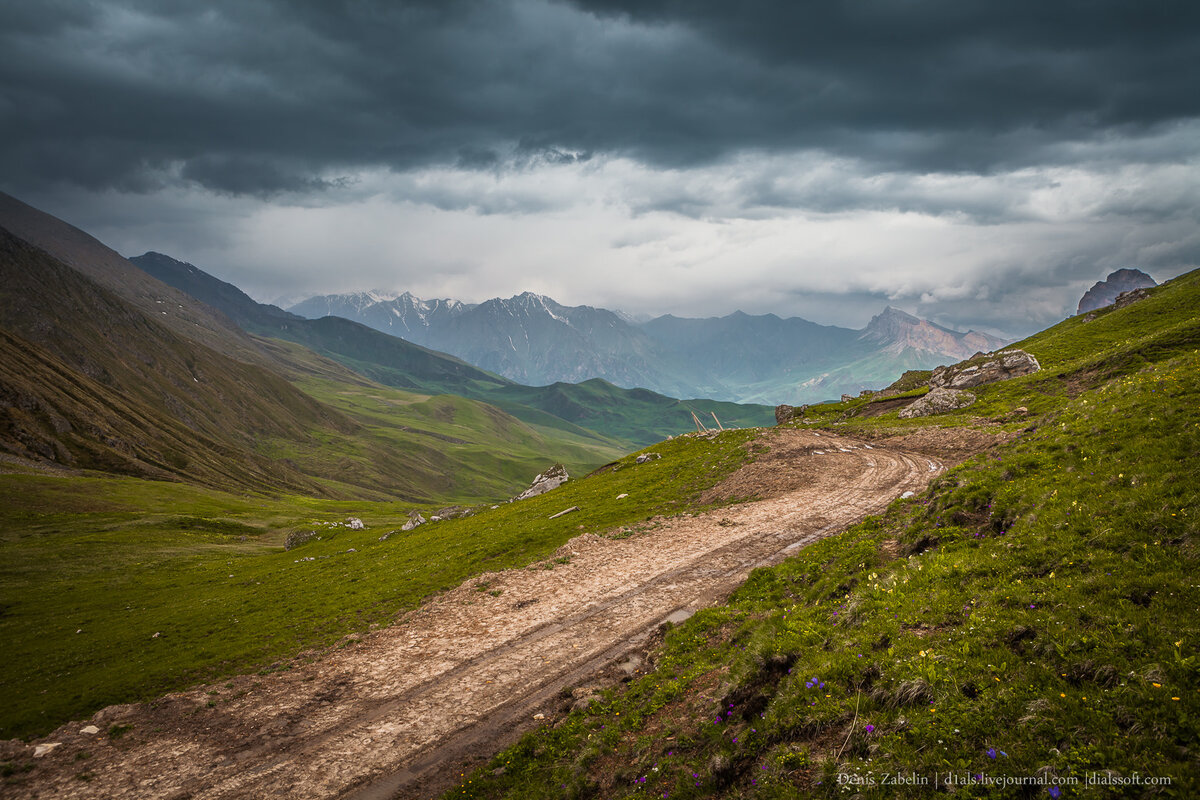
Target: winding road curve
x=398, y=713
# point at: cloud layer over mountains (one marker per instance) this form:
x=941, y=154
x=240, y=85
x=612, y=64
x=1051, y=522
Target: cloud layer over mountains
x=975, y=163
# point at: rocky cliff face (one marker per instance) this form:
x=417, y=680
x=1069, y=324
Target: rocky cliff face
x=1105, y=292
x=897, y=331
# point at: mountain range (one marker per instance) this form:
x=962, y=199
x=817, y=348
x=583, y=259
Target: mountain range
x=152, y=367
x=743, y=358
x=108, y=368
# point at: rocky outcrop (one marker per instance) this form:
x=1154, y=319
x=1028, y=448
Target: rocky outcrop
x=297, y=538
x=414, y=519
x=644, y=457
x=450, y=512
x=1128, y=298
x=550, y=479
x=938, y=401
x=984, y=369
x=786, y=413
x=1105, y=292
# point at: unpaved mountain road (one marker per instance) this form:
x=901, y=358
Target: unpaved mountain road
x=398, y=713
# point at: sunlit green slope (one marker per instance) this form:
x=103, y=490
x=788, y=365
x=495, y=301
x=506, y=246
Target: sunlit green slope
x=1027, y=627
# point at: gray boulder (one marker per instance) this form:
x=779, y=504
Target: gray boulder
x=644, y=457
x=452, y=512
x=414, y=519
x=550, y=479
x=938, y=401
x=1130, y=297
x=988, y=369
x=787, y=413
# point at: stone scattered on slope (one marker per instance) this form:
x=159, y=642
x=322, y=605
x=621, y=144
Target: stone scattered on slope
x=414, y=519
x=297, y=538
x=988, y=369
x=43, y=750
x=938, y=401
x=452, y=512
x=550, y=479
x=355, y=524
x=644, y=457
x=1105, y=292
x=564, y=512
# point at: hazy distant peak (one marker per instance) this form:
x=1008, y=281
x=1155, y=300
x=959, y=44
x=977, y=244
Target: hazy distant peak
x=1105, y=292
x=898, y=330
x=631, y=318
x=892, y=313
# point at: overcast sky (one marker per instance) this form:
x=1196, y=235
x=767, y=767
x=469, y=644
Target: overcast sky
x=980, y=164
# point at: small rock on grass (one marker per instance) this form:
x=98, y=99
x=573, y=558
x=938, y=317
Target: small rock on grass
x=545, y=481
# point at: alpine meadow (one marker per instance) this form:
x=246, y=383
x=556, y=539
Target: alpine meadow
x=596, y=399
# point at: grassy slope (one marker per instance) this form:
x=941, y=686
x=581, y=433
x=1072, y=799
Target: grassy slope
x=1032, y=614
x=463, y=450
x=639, y=415
x=121, y=559
x=89, y=381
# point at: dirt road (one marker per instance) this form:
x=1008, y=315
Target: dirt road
x=397, y=713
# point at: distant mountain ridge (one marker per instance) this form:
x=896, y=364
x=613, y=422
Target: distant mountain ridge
x=579, y=408
x=740, y=357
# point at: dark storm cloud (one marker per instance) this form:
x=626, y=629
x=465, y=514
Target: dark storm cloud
x=271, y=96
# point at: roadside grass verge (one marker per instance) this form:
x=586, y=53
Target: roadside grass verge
x=114, y=590
x=1031, y=617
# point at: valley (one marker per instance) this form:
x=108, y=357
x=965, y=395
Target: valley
x=213, y=583
x=599, y=400
x=736, y=358
x=398, y=711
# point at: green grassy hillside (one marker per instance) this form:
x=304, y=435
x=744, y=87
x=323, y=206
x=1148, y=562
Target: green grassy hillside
x=638, y=416
x=93, y=383
x=1026, y=627
x=92, y=568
